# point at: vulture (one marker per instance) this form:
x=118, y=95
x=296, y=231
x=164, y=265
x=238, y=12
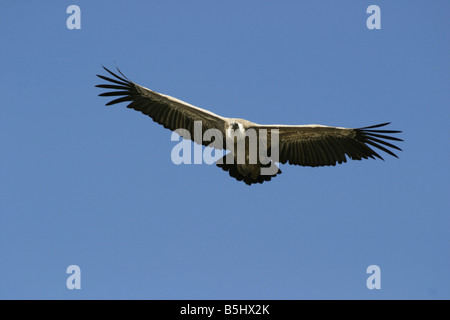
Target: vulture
x=303, y=145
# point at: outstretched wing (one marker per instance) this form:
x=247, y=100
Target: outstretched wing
x=168, y=111
x=317, y=145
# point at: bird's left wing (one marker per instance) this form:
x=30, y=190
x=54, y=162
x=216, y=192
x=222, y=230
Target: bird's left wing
x=317, y=145
x=168, y=111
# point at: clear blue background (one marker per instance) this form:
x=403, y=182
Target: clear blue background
x=94, y=186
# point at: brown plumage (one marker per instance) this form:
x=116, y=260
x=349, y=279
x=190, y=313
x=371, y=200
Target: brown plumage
x=304, y=145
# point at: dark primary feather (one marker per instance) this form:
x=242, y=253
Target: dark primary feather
x=316, y=146
x=170, y=112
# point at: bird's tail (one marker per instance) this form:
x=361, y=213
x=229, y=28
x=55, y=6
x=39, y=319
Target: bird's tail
x=248, y=173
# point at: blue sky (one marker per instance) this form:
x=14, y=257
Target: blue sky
x=94, y=186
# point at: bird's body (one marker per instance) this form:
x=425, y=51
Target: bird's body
x=305, y=145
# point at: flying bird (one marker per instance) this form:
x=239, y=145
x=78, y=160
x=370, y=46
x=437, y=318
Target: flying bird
x=304, y=145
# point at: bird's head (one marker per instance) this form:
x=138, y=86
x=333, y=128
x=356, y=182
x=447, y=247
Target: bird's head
x=234, y=126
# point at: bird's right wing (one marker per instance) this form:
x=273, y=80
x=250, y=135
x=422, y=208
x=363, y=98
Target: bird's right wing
x=168, y=111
